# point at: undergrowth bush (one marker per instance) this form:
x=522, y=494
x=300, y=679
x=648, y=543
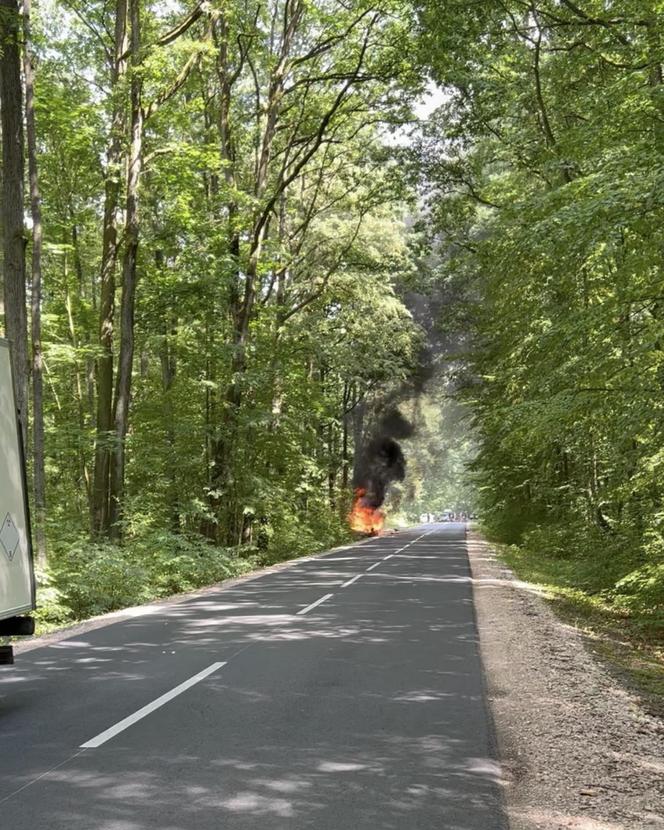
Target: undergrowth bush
x=178, y=563
x=52, y=610
x=612, y=570
x=85, y=579
x=290, y=538
x=94, y=578
x=642, y=591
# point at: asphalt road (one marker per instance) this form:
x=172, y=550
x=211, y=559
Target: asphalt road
x=254, y=707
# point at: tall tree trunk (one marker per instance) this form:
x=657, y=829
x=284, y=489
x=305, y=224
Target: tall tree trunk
x=243, y=293
x=11, y=114
x=168, y=361
x=83, y=473
x=100, y=518
x=131, y=235
x=39, y=473
x=221, y=435
x=227, y=438
x=83, y=291
x=359, y=411
x=345, y=457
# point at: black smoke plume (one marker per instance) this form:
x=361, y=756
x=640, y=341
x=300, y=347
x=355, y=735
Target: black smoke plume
x=382, y=460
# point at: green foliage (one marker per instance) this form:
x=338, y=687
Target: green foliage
x=642, y=592
x=438, y=457
x=176, y=563
x=544, y=168
x=52, y=609
x=268, y=308
x=93, y=579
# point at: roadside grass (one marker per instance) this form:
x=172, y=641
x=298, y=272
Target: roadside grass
x=630, y=642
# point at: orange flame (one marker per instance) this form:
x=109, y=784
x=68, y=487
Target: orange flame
x=364, y=518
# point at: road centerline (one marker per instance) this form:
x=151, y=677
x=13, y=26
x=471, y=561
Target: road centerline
x=314, y=604
x=141, y=713
x=406, y=637
x=388, y=556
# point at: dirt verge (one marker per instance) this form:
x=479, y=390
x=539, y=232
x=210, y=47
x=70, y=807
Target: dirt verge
x=577, y=749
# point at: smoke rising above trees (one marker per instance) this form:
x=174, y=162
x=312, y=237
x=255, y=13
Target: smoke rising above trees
x=381, y=461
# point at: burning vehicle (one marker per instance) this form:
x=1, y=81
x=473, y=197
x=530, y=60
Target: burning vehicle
x=381, y=463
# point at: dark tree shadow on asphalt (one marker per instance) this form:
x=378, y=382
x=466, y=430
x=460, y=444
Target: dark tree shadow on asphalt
x=364, y=713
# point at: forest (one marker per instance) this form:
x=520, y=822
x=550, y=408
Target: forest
x=544, y=175
x=236, y=233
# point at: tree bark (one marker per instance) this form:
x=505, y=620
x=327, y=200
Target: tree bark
x=11, y=114
x=168, y=359
x=241, y=304
x=221, y=436
x=100, y=519
x=345, y=416
x=129, y=262
x=83, y=472
x=39, y=472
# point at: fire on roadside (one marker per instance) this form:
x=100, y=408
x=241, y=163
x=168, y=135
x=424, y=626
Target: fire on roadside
x=363, y=517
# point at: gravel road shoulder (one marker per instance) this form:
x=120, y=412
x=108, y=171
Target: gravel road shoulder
x=577, y=749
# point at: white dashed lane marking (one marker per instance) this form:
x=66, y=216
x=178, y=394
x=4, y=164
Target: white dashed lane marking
x=314, y=604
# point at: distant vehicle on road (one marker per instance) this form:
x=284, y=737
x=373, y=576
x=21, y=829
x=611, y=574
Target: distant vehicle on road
x=17, y=578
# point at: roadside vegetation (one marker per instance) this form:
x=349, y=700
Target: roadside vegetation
x=216, y=263
x=242, y=247
x=87, y=578
x=544, y=172
x=626, y=633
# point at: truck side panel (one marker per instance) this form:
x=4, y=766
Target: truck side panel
x=17, y=589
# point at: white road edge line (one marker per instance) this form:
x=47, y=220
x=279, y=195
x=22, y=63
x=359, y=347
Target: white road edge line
x=375, y=565
x=314, y=604
x=120, y=726
x=350, y=581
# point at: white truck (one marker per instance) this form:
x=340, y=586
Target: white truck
x=17, y=576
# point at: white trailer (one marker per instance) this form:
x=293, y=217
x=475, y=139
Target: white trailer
x=17, y=576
